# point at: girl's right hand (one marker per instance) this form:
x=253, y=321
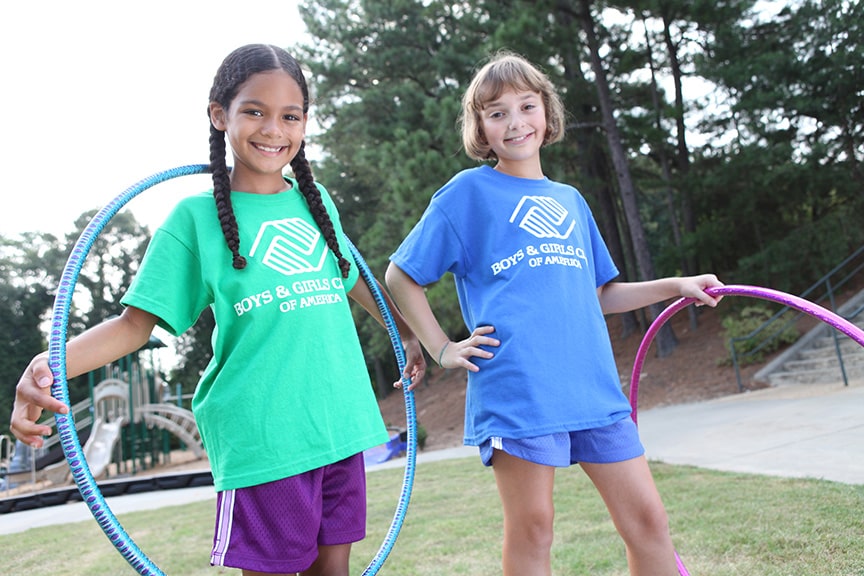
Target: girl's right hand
x=458, y=354
x=32, y=396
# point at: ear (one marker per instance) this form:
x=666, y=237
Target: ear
x=217, y=116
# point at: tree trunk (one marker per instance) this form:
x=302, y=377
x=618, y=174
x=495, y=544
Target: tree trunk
x=666, y=339
x=686, y=267
x=593, y=164
x=682, y=155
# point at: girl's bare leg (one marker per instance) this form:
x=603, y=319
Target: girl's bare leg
x=331, y=561
x=525, y=489
x=629, y=492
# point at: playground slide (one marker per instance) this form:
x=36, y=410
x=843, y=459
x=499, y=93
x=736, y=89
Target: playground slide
x=100, y=445
x=393, y=448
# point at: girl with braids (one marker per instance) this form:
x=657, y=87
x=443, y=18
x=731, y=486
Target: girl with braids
x=285, y=408
x=534, y=282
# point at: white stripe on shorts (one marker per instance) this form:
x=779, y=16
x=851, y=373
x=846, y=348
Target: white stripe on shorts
x=224, y=523
x=497, y=442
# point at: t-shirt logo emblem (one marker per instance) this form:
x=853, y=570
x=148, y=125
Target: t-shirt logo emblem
x=290, y=246
x=543, y=217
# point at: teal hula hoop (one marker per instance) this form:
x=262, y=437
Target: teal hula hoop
x=71, y=444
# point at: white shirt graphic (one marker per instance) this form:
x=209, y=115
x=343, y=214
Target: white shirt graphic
x=543, y=217
x=290, y=246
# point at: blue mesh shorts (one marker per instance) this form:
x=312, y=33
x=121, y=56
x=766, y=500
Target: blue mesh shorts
x=613, y=443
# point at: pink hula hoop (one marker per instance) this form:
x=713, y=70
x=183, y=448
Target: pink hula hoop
x=795, y=302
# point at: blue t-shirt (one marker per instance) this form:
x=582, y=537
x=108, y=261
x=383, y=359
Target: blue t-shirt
x=527, y=258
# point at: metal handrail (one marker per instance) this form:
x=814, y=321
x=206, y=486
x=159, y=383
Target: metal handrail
x=829, y=294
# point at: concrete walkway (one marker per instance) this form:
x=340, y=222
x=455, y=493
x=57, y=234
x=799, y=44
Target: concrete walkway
x=805, y=431
x=814, y=431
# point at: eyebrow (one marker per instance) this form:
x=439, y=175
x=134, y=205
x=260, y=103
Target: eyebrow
x=528, y=95
x=260, y=104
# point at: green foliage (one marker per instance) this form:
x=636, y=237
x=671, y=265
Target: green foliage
x=31, y=269
x=785, y=146
x=753, y=337
x=797, y=73
x=793, y=262
x=422, y=434
x=109, y=266
x=25, y=299
x=21, y=309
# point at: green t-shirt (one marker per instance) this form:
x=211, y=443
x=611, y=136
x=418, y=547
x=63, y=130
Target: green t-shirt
x=287, y=389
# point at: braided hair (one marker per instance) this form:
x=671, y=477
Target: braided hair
x=236, y=69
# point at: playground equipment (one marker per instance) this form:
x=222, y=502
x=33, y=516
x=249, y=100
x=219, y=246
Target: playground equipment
x=123, y=424
x=395, y=447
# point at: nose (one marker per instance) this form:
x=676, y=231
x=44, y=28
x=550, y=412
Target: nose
x=515, y=121
x=271, y=128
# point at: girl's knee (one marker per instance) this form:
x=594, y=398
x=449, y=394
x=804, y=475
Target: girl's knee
x=535, y=529
x=657, y=526
x=650, y=525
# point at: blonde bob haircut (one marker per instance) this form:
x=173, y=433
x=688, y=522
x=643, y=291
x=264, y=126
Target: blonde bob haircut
x=506, y=71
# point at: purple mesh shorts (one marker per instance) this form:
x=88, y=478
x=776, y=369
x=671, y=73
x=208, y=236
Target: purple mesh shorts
x=278, y=526
x=616, y=442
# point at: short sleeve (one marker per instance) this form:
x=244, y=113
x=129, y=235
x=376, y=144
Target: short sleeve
x=169, y=283
x=431, y=248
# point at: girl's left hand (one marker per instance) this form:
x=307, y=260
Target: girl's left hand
x=694, y=287
x=415, y=364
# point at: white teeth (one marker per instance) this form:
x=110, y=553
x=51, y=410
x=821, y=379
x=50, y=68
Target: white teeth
x=268, y=148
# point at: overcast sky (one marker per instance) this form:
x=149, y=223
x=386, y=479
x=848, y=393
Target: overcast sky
x=97, y=95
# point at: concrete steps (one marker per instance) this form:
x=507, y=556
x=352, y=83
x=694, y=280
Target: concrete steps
x=814, y=359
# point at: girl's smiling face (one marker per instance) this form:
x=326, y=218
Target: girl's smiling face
x=514, y=126
x=265, y=125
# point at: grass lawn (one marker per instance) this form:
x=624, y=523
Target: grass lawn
x=722, y=524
